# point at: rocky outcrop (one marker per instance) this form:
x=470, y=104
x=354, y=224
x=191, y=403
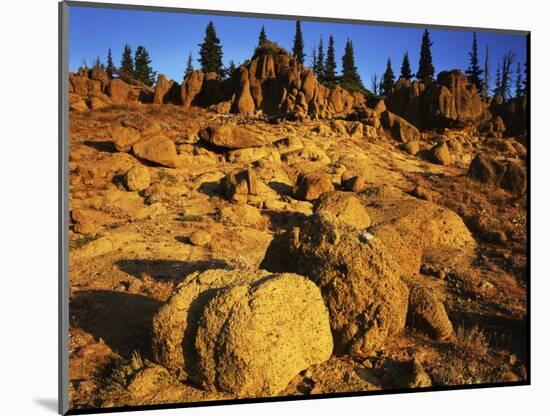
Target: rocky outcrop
x=166, y=91
x=191, y=88
x=451, y=101
x=366, y=298
x=98, y=90
x=247, y=333
x=508, y=175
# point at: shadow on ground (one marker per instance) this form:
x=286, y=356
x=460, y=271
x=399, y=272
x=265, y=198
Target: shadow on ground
x=121, y=319
x=167, y=269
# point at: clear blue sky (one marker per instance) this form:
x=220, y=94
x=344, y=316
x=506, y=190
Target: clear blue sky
x=170, y=37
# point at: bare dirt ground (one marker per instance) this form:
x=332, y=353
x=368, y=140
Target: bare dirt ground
x=128, y=251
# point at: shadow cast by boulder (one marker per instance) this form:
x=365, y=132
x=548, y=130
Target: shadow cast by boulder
x=167, y=269
x=122, y=320
x=107, y=146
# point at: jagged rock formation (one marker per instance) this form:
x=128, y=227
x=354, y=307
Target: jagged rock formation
x=451, y=101
x=94, y=89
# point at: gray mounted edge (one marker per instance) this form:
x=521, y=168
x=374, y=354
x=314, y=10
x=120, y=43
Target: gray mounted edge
x=63, y=209
x=169, y=9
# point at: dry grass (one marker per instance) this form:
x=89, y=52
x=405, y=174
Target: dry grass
x=471, y=342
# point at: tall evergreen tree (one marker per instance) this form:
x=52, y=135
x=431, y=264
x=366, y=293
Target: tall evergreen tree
x=127, y=62
x=320, y=73
x=525, y=78
x=231, y=69
x=485, y=90
x=142, y=67
x=406, y=67
x=110, y=68
x=388, y=79
x=211, y=51
x=262, y=38
x=474, y=71
x=330, y=63
x=298, y=48
x=189, y=67
x=506, y=76
x=426, y=69
x=519, y=81
x=498, y=82
x=350, y=76
x=314, y=60
x=98, y=64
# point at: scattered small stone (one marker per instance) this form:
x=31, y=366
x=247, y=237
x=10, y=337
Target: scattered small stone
x=365, y=236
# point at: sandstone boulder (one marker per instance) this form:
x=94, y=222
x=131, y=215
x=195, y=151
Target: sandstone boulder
x=399, y=128
x=138, y=178
x=414, y=230
x=247, y=333
x=427, y=313
x=231, y=136
x=440, y=154
x=344, y=206
x=310, y=186
x=157, y=149
x=367, y=300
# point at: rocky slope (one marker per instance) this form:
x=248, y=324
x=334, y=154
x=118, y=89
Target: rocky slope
x=272, y=236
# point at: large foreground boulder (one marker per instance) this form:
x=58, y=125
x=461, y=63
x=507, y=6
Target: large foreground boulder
x=247, y=333
x=366, y=298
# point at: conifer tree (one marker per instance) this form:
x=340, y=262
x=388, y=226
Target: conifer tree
x=519, y=81
x=506, y=76
x=262, y=38
x=330, y=63
x=320, y=73
x=474, y=71
x=98, y=64
x=314, y=60
x=426, y=69
x=142, y=67
x=231, y=69
x=298, y=48
x=388, y=79
x=498, y=82
x=211, y=51
x=350, y=76
x=189, y=67
x=110, y=68
x=525, y=78
x=406, y=67
x=485, y=91
x=127, y=62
